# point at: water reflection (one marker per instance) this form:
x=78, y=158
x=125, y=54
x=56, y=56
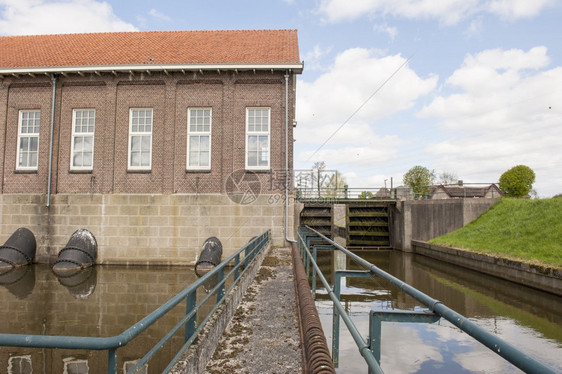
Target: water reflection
x=526, y=318
x=99, y=301
x=20, y=281
x=80, y=283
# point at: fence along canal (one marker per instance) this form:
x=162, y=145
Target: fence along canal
x=113, y=318
x=530, y=321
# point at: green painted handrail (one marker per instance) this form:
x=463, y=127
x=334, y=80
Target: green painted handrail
x=111, y=344
x=511, y=354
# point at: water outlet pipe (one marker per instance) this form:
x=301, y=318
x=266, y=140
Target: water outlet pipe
x=210, y=256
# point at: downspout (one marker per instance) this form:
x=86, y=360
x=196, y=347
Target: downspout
x=54, y=79
x=287, y=179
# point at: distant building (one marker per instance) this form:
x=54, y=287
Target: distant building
x=464, y=192
x=135, y=136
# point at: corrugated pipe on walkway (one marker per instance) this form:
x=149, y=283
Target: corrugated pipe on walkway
x=317, y=355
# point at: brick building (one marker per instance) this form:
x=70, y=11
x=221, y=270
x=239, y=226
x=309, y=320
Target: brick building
x=153, y=141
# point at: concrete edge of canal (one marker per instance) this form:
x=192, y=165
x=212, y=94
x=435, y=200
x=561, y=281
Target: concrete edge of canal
x=544, y=278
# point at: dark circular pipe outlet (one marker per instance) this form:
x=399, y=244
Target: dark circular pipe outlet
x=80, y=252
x=18, y=250
x=210, y=256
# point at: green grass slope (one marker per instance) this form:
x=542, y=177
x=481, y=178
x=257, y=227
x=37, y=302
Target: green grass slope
x=529, y=230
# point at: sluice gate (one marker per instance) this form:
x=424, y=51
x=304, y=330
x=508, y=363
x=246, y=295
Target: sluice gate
x=363, y=224
x=319, y=217
x=368, y=224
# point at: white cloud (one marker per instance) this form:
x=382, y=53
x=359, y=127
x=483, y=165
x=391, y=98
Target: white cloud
x=513, y=9
x=475, y=27
x=313, y=58
x=333, y=98
x=503, y=112
x=28, y=17
x=156, y=14
x=384, y=28
x=331, y=109
x=446, y=11
x=349, y=157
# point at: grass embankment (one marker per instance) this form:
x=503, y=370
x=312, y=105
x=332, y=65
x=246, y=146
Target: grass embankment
x=529, y=230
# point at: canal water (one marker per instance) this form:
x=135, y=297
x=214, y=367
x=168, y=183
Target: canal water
x=100, y=301
x=528, y=319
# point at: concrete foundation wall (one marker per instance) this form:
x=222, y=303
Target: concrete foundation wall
x=426, y=219
x=540, y=277
x=142, y=228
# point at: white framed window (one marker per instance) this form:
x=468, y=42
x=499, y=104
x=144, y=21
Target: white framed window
x=140, y=139
x=28, y=140
x=199, y=138
x=258, y=138
x=83, y=129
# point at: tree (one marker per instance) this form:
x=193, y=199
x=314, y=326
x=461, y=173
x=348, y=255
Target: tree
x=365, y=195
x=517, y=181
x=317, y=169
x=448, y=178
x=335, y=186
x=419, y=178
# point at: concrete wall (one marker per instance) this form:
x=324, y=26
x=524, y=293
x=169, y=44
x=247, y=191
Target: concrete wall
x=426, y=219
x=142, y=228
x=540, y=277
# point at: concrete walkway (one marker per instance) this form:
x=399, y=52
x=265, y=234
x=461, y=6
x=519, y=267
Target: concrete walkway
x=263, y=336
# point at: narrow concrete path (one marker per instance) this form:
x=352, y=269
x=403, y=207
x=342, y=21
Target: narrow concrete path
x=264, y=335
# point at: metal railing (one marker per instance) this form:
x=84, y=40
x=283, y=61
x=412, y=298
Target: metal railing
x=370, y=349
x=329, y=194
x=237, y=264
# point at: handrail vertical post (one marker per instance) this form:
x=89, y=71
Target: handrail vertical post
x=308, y=262
x=236, y=267
x=246, y=256
x=220, y=291
x=112, y=361
x=336, y=321
x=190, y=302
x=314, y=255
x=375, y=331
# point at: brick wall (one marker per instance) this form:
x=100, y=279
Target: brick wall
x=165, y=214
x=170, y=96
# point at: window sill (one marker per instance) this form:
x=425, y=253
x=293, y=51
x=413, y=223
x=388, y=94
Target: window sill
x=20, y=171
x=259, y=171
x=77, y=171
x=139, y=171
x=198, y=171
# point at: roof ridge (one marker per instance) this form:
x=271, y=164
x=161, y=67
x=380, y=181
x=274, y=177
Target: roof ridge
x=146, y=32
x=129, y=48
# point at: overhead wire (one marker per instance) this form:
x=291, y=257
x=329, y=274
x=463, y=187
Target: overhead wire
x=360, y=107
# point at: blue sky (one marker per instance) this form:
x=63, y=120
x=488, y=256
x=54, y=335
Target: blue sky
x=469, y=87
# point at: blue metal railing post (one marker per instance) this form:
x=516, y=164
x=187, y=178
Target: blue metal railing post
x=190, y=303
x=338, y=275
x=112, y=361
x=247, y=256
x=237, y=267
x=314, y=258
x=336, y=320
x=376, y=317
x=220, y=292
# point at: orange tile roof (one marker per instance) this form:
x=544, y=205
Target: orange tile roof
x=153, y=47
